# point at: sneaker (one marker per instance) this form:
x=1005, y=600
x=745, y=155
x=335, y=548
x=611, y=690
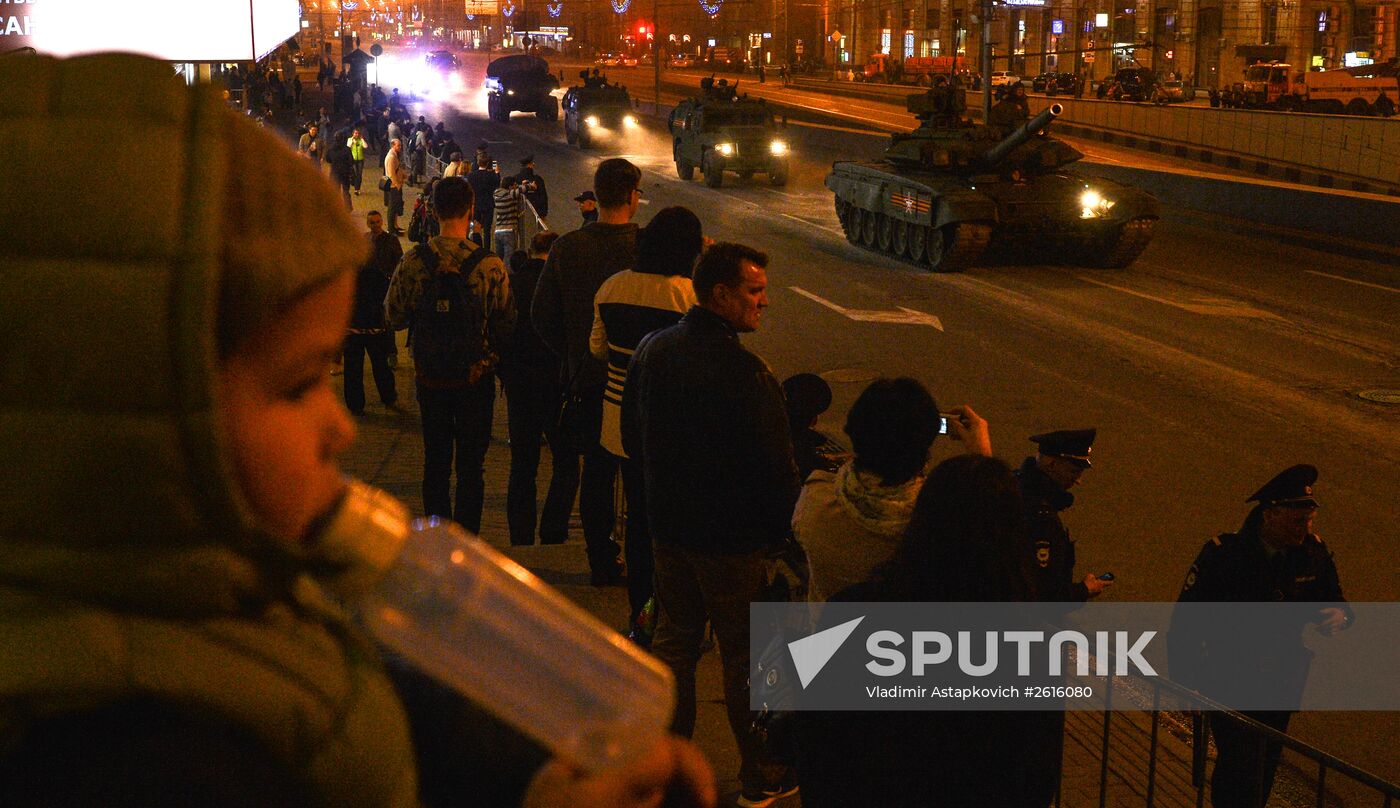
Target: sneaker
x=767, y=795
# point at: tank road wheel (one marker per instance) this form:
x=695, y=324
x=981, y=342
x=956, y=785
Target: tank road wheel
x=884, y=232
x=900, y=242
x=918, y=243
x=851, y=223
x=1121, y=246
x=955, y=247
x=868, y=227
x=714, y=174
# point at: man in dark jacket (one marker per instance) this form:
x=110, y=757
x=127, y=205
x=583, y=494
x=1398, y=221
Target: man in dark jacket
x=342, y=163
x=707, y=418
x=367, y=329
x=1061, y=459
x=533, y=185
x=562, y=312
x=484, y=181
x=530, y=377
x=1274, y=558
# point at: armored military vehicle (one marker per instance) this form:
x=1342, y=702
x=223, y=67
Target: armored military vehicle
x=949, y=189
x=597, y=110
x=520, y=83
x=721, y=130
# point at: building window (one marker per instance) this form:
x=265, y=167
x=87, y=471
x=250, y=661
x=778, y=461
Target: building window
x=908, y=44
x=885, y=41
x=935, y=19
x=1268, y=25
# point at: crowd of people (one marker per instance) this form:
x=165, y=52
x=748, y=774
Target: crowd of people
x=172, y=606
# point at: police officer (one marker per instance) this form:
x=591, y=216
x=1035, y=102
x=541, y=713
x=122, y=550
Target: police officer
x=1275, y=557
x=1062, y=458
x=533, y=186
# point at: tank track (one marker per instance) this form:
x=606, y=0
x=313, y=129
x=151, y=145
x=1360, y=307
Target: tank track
x=1124, y=245
x=958, y=245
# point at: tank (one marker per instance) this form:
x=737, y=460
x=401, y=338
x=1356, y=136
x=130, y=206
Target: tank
x=951, y=188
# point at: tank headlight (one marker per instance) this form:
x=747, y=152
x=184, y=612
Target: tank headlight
x=725, y=149
x=1092, y=204
x=778, y=147
x=591, y=120
x=629, y=121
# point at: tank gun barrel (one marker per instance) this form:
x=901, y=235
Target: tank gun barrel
x=998, y=152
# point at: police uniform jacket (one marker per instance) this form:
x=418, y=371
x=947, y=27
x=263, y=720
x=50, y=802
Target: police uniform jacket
x=1211, y=650
x=1042, y=500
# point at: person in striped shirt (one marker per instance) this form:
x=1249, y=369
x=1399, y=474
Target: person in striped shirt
x=508, y=200
x=628, y=306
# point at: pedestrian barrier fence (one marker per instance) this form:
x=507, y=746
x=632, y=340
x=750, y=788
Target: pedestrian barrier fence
x=1169, y=787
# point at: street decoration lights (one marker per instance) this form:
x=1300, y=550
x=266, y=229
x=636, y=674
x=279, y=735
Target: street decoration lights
x=508, y=8
x=711, y=8
x=621, y=6
x=555, y=9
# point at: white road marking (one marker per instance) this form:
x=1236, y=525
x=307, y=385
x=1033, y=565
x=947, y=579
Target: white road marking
x=1210, y=306
x=813, y=224
x=1353, y=280
x=902, y=316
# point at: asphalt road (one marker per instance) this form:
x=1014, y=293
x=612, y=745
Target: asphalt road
x=1222, y=356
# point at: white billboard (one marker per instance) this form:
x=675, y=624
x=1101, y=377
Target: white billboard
x=173, y=30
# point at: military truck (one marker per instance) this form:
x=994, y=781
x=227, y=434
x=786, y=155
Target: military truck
x=949, y=189
x=721, y=130
x=520, y=83
x=597, y=110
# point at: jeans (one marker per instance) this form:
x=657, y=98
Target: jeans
x=356, y=346
x=456, y=421
x=358, y=173
x=532, y=407
x=503, y=244
x=690, y=588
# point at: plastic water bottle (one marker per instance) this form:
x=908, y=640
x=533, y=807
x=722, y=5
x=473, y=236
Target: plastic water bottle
x=486, y=626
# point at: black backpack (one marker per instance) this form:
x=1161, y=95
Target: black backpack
x=449, y=327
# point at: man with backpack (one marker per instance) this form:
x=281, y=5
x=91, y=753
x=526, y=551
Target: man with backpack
x=457, y=297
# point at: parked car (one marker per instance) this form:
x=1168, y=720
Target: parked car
x=1058, y=83
x=607, y=60
x=1172, y=92
x=683, y=61
x=627, y=61
x=1004, y=78
x=1133, y=84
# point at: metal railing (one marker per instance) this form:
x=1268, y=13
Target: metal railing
x=1207, y=710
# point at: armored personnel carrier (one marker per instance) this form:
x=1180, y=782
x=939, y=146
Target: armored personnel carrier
x=597, y=110
x=949, y=189
x=520, y=83
x=721, y=130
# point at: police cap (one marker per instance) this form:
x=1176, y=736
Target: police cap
x=1071, y=444
x=1290, y=488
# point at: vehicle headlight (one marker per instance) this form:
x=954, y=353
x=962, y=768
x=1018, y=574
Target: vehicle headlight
x=629, y=121
x=591, y=120
x=510, y=92
x=778, y=147
x=725, y=149
x=1093, y=205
